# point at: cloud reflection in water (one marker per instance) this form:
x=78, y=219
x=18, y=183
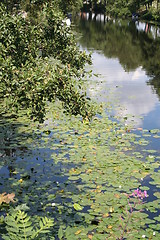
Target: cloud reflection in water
x=135, y=96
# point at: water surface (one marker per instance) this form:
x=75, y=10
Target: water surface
x=127, y=57
x=50, y=166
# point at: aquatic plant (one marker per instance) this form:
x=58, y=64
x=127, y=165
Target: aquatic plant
x=19, y=226
x=135, y=199
x=81, y=173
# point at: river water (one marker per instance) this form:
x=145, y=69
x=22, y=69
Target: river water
x=127, y=57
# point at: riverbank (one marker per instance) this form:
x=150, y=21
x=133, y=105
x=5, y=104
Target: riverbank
x=147, y=11
x=106, y=18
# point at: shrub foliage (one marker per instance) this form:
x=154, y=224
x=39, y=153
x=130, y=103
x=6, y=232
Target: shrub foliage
x=40, y=62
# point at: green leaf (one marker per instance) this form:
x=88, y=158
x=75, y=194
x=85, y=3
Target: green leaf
x=60, y=232
x=77, y=207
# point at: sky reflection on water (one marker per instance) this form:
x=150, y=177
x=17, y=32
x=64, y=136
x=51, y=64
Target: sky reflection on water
x=135, y=95
x=128, y=80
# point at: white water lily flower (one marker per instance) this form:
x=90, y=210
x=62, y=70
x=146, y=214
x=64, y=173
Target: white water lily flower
x=120, y=186
x=143, y=236
x=154, y=233
x=53, y=204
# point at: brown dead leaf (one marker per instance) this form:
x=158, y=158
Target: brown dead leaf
x=90, y=236
x=10, y=198
x=2, y=197
x=109, y=227
x=7, y=198
x=117, y=195
x=105, y=215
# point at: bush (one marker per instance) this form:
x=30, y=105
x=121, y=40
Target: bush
x=29, y=76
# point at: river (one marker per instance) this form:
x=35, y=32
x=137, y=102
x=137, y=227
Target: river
x=64, y=161
x=127, y=57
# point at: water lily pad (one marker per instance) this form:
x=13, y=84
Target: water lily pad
x=77, y=207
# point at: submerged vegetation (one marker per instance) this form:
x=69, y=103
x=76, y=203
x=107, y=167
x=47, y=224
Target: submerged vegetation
x=66, y=176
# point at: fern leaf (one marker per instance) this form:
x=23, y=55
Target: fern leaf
x=10, y=235
x=25, y=220
x=45, y=231
x=6, y=237
x=24, y=224
x=44, y=221
x=12, y=223
x=41, y=224
x=22, y=215
x=19, y=226
x=44, y=224
x=13, y=229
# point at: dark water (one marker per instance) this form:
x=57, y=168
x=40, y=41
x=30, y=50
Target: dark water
x=127, y=55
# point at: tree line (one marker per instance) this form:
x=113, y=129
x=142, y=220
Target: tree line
x=122, y=40
x=147, y=9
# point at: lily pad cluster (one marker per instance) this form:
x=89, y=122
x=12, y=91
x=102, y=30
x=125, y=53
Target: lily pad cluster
x=81, y=172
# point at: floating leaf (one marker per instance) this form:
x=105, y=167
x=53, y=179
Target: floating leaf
x=77, y=207
x=110, y=227
x=154, y=131
x=78, y=232
x=7, y=198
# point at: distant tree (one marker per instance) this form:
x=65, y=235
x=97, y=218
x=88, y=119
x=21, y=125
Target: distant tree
x=70, y=5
